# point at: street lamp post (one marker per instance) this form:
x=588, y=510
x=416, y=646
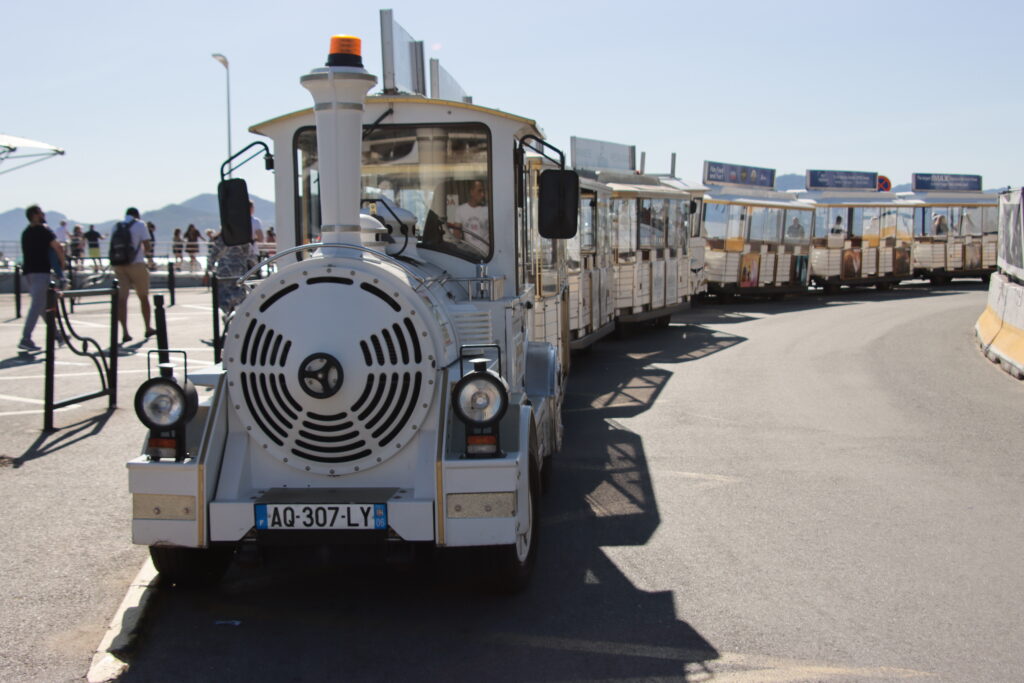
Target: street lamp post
x=227, y=70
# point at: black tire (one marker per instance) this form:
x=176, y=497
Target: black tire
x=509, y=567
x=192, y=567
x=663, y=321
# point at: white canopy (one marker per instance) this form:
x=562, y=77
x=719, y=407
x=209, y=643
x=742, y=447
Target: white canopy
x=12, y=147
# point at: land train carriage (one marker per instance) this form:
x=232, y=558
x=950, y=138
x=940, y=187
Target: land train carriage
x=758, y=240
x=650, y=224
x=591, y=268
x=955, y=233
x=384, y=384
x=860, y=238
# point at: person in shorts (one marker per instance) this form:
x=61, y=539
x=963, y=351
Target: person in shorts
x=92, y=238
x=134, y=275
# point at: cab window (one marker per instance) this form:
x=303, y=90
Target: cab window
x=438, y=175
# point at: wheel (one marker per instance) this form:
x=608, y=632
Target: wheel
x=508, y=568
x=192, y=567
x=986, y=277
x=831, y=288
x=663, y=321
x=884, y=286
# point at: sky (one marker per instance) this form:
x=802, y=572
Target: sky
x=131, y=92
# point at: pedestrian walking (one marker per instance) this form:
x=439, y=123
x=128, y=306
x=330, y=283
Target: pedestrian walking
x=77, y=240
x=37, y=242
x=131, y=235
x=92, y=238
x=192, y=238
x=178, y=248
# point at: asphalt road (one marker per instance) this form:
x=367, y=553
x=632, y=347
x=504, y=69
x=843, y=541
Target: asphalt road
x=65, y=547
x=818, y=489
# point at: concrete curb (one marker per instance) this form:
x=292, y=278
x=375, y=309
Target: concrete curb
x=124, y=628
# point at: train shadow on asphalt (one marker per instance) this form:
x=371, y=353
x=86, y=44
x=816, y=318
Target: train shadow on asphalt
x=580, y=618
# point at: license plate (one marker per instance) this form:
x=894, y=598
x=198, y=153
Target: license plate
x=322, y=516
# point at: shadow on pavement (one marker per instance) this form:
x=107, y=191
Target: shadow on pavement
x=50, y=442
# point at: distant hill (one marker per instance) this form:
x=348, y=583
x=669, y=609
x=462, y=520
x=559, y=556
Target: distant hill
x=200, y=210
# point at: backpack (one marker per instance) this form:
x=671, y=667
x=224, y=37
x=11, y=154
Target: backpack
x=121, y=250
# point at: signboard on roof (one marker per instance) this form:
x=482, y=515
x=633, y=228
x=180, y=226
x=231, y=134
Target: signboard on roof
x=946, y=182
x=402, y=57
x=716, y=173
x=598, y=155
x=841, y=180
x=443, y=85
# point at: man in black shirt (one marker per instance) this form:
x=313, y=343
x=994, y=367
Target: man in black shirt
x=36, y=242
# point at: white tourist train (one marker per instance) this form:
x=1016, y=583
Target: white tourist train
x=393, y=380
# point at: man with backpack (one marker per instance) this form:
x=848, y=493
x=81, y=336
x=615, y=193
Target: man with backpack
x=128, y=245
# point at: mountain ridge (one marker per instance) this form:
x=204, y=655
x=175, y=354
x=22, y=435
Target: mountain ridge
x=201, y=211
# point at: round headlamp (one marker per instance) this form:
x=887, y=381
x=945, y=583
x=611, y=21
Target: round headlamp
x=480, y=398
x=162, y=403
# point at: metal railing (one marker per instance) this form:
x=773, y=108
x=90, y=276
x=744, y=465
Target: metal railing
x=58, y=322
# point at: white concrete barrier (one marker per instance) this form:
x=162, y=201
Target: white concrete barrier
x=1000, y=329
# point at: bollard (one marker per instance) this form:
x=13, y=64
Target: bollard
x=17, y=291
x=115, y=349
x=214, y=286
x=161, y=336
x=170, y=280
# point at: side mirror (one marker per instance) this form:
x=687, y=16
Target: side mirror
x=559, y=204
x=235, y=219
x=693, y=206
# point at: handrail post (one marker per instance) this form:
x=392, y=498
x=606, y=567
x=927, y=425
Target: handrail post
x=50, y=317
x=161, y=335
x=170, y=280
x=17, y=291
x=115, y=348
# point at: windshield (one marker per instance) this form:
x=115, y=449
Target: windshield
x=439, y=174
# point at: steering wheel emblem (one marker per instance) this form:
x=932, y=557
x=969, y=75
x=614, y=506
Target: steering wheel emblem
x=320, y=375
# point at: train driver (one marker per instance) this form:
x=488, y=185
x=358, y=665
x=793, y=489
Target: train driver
x=469, y=221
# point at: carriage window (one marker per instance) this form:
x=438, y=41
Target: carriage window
x=437, y=175
x=653, y=223
x=624, y=224
x=971, y=221
x=764, y=224
x=870, y=221
x=938, y=221
x=716, y=220
x=832, y=220
x=798, y=226
x=677, y=215
x=991, y=217
x=904, y=224
x=588, y=219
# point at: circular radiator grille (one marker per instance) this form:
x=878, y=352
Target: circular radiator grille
x=331, y=369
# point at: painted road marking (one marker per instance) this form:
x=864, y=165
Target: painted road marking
x=8, y=397
x=38, y=412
